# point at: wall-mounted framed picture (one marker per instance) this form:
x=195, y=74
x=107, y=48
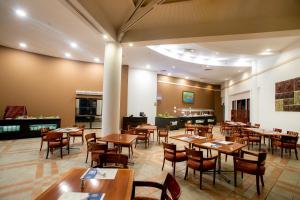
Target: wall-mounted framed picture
x=188, y=97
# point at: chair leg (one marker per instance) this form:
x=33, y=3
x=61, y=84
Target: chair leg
x=235, y=175
x=200, y=179
x=129, y=152
x=131, y=149
x=82, y=141
x=47, y=152
x=262, y=180
x=41, y=145
x=226, y=158
x=174, y=167
x=163, y=164
x=61, y=156
x=73, y=139
x=281, y=152
x=296, y=153
x=242, y=175
x=257, y=184
x=87, y=156
x=214, y=178
x=186, y=172
x=135, y=143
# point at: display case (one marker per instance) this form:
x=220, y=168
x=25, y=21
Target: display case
x=26, y=127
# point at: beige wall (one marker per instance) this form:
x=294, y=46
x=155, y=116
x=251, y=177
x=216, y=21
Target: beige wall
x=170, y=89
x=47, y=85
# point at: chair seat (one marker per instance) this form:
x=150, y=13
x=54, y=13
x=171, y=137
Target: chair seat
x=79, y=133
x=142, y=137
x=190, y=129
x=95, y=154
x=207, y=164
x=180, y=156
x=284, y=145
x=163, y=134
x=145, y=198
x=250, y=168
x=58, y=144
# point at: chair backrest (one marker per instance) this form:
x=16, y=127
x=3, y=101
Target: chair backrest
x=192, y=153
x=293, y=133
x=279, y=130
x=91, y=137
x=290, y=140
x=120, y=160
x=262, y=156
x=130, y=131
x=93, y=146
x=169, y=148
x=54, y=136
x=171, y=189
x=162, y=130
x=229, y=138
x=44, y=131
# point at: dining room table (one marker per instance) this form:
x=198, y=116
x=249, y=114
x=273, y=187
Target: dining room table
x=188, y=138
x=150, y=128
x=119, y=187
x=119, y=139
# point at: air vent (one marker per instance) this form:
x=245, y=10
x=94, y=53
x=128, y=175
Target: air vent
x=163, y=70
x=208, y=69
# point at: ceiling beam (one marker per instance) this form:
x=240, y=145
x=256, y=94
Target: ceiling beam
x=138, y=13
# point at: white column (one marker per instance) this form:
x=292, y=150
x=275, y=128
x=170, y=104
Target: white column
x=111, y=88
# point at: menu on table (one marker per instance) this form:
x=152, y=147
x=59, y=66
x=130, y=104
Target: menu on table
x=99, y=173
x=81, y=196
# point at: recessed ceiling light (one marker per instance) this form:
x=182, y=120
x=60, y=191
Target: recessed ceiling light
x=23, y=45
x=21, y=13
x=68, y=55
x=130, y=44
x=105, y=36
x=186, y=77
x=217, y=53
x=148, y=66
x=239, y=70
x=73, y=45
x=268, y=50
x=173, y=67
x=97, y=60
x=169, y=74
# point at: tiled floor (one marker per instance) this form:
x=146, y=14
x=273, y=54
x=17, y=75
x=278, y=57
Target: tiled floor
x=25, y=173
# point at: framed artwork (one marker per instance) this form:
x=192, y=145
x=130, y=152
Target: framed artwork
x=188, y=97
x=287, y=95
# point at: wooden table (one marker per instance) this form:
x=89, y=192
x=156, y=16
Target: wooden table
x=149, y=128
x=267, y=133
x=190, y=139
x=116, y=189
x=119, y=139
x=221, y=148
x=238, y=124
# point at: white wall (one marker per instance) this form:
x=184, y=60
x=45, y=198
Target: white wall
x=142, y=91
x=260, y=82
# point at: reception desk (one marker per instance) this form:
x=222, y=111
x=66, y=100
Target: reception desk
x=26, y=128
x=179, y=122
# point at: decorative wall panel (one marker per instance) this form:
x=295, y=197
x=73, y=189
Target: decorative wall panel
x=287, y=95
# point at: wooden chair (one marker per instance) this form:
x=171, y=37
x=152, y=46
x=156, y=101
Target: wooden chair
x=129, y=146
x=170, y=189
x=231, y=139
x=143, y=135
x=196, y=161
x=89, y=138
x=98, y=149
x=250, y=166
x=164, y=133
x=43, y=131
x=189, y=128
x=79, y=133
x=56, y=140
x=253, y=137
x=287, y=142
x=173, y=155
x=107, y=160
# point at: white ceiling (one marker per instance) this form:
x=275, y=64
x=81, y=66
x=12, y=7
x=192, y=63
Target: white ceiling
x=51, y=26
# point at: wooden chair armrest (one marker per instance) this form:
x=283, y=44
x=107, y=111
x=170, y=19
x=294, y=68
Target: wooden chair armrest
x=145, y=184
x=253, y=153
x=248, y=161
x=211, y=158
x=178, y=151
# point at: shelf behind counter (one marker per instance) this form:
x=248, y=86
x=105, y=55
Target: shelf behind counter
x=26, y=128
x=179, y=122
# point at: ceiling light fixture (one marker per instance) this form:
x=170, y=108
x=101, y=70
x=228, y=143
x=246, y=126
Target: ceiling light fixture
x=73, y=45
x=21, y=13
x=97, y=60
x=173, y=67
x=68, y=55
x=186, y=77
x=169, y=74
x=23, y=45
x=130, y=44
x=148, y=66
x=105, y=36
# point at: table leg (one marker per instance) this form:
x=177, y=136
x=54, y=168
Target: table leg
x=219, y=162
